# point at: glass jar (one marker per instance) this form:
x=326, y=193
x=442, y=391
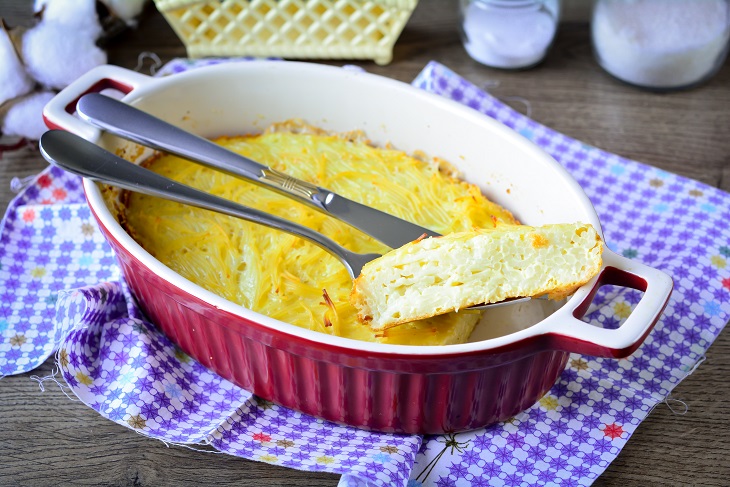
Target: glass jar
x=508, y=34
x=661, y=44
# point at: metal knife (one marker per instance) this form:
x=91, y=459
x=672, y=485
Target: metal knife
x=133, y=124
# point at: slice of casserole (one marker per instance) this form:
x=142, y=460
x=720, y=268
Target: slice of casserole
x=439, y=275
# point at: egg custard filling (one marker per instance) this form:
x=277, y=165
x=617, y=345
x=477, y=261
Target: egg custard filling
x=283, y=276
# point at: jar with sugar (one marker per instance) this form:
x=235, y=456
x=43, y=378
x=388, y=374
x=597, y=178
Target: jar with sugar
x=508, y=34
x=661, y=44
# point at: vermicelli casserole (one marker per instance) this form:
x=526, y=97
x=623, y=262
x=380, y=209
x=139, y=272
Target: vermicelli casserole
x=283, y=276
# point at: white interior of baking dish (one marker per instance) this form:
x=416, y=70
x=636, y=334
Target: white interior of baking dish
x=241, y=98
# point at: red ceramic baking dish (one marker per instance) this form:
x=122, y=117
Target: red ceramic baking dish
x=516, y=352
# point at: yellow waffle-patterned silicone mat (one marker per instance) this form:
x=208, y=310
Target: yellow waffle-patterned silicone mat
x=303, y=29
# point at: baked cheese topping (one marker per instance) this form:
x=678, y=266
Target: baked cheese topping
x=283, y=276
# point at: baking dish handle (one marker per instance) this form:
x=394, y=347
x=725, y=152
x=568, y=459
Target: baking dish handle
x=569, y=333
x=59, y=112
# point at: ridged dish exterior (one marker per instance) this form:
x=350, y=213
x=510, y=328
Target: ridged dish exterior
x=381, y=392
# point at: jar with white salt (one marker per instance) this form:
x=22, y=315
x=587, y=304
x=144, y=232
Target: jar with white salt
x=508, y=34
x=661, y=44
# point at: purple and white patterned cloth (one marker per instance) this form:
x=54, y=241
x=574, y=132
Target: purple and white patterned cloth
x=60, y=291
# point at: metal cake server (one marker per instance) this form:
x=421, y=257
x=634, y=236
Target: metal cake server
x=81, y=157
x=133, y=124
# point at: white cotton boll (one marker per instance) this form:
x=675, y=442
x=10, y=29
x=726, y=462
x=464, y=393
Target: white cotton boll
x=14, y=81
x=126, y=10
x=40, y=5
x=25, y=118
x=79, y=15
x=55, y=55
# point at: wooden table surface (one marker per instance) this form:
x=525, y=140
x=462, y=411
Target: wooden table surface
x=47, y=439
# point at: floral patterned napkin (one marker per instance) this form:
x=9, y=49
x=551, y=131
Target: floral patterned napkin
x=60, y=290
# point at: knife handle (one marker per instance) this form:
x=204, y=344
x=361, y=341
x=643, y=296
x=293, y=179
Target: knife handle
x=133, y=124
